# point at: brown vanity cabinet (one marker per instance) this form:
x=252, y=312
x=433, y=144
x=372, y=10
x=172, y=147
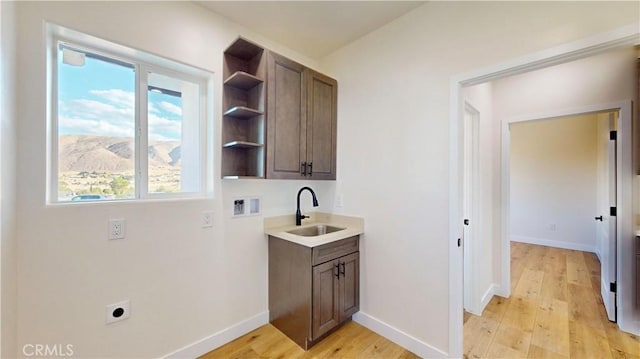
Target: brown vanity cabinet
x=302, y=121
x=312, y=290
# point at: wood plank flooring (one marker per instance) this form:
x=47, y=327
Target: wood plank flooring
x=555, y=311
x=350, y=341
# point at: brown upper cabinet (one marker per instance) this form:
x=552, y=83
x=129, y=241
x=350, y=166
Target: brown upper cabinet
x=279, y=118
x=302, y=120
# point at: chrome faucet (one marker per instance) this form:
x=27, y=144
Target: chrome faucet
x=299, y=216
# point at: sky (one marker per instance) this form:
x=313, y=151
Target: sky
x=98, y=99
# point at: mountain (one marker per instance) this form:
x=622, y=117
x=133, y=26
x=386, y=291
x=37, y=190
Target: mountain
x=78, y=153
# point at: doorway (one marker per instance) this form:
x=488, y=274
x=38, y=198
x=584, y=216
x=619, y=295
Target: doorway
x=562, y=190
x=580, y=49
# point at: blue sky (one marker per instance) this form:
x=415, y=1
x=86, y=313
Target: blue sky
x=98, y=99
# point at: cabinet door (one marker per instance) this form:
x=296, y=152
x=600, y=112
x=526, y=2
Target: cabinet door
x=286, y=122
x=349, y=285
x=322, y=116
x=326, y=314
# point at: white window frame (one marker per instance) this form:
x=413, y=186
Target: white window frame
x=143, y=63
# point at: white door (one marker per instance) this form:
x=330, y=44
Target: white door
x=606, y=219
x=469, y=203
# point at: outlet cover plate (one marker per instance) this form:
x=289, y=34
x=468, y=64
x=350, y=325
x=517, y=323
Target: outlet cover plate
x=116, y=228
x=117, y=311
x=207, y=219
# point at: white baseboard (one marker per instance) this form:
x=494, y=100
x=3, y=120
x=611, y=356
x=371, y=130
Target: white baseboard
x=486, y=298
x=220, y=338
x=557, y=244
x=399, y=337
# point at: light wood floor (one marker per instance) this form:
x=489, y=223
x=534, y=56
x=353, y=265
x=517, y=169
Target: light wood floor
x=555, y=311
x=350, y=341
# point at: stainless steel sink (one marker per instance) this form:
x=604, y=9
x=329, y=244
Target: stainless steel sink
x=316, y=230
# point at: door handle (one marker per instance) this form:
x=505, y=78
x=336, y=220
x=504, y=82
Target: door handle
x=599, y=218
x=303, y=168
x=310, y=168
x=337, y=268
x=343, y=270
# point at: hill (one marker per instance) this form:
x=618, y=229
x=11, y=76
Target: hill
x=111, y=154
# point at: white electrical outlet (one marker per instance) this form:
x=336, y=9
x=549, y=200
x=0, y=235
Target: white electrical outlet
x=118, y=311
x=116, y=229
x=207, y=219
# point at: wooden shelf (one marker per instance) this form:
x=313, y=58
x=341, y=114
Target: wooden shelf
x=243, y=80
x=244, y=49
x=242, y=112
x=242, y=144
x=242, y=177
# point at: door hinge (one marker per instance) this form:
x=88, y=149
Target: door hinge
x=613, y=211
x=459, y=242
x=613, y=287
x=613, y=135
x=466, y=222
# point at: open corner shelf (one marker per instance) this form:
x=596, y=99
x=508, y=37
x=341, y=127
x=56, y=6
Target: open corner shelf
x=243, y=102
x=242, y=144
x=242, y=112
x=243, y=80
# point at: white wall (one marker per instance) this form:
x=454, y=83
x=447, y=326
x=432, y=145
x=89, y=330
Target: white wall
x=484, y=278
x=394, y=100
x=184, y=282
x=554, y=177
x=8, y=284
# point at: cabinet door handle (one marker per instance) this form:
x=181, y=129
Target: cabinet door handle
x=303, y=168
x=310, y=168
x=337, y=270
x=343, y=269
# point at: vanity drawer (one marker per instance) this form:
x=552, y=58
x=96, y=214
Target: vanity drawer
x=333, y=250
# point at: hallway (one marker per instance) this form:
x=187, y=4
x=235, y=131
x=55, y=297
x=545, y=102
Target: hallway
x=555, y=311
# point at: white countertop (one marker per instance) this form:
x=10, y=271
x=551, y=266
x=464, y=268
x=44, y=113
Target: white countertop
x=278, y=227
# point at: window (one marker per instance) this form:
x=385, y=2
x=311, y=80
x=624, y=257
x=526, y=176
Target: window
x=123, y=127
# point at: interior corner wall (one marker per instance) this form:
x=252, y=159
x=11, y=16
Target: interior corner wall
x=394, y=135
x=184, y=283
x=554, y=181
x=8, y=241
x=486, y=249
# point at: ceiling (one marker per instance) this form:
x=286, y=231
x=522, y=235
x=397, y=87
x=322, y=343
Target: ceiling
x=312, y=28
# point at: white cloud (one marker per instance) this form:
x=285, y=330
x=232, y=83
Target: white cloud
x=112, y=115
x=120, y=98
x=171, y=108
x=93, y=127
x=161, y=127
